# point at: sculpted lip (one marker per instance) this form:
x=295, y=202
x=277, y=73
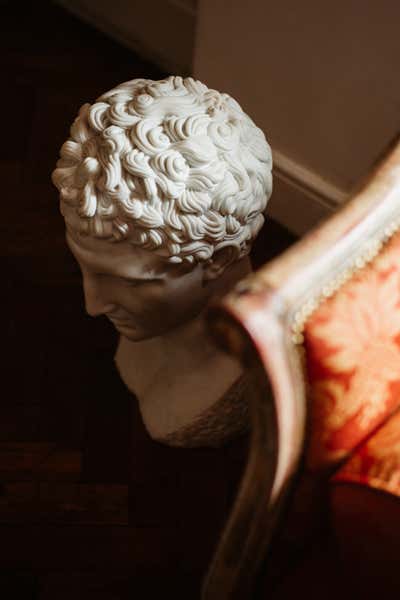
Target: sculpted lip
x=118, y=322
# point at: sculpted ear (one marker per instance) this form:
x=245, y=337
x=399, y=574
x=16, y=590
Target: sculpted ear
x=220, y=261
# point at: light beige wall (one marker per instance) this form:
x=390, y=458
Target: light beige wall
x=162, y=30
x=321, y=79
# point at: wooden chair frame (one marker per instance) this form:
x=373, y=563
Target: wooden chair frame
x=260, y=322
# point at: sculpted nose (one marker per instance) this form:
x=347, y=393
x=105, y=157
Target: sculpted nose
x=95, y=299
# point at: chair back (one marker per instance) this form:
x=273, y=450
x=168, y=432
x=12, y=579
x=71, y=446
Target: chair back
x=319, y=327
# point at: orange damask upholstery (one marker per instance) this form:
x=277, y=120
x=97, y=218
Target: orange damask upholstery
x=376, y=463
x=365, y=511
x=319, y=327
x=352, y=344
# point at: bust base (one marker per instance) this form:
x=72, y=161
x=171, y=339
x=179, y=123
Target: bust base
x=225, y=420
x=204, y=404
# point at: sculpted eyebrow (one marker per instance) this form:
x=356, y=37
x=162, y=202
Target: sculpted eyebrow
x=99, y=270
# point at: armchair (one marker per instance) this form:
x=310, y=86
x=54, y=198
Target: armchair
x=319, y=327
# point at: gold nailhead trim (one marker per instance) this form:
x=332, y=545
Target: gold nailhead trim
x=370, y=251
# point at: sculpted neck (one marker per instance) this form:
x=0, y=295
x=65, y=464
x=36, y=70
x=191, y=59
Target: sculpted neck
x=179, y=375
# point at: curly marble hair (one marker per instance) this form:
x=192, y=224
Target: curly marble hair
x=170, y=165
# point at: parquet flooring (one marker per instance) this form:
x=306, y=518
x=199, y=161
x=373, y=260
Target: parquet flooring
x=90, y=507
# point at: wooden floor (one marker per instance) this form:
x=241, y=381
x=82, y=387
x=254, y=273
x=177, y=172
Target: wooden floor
x=90, y=507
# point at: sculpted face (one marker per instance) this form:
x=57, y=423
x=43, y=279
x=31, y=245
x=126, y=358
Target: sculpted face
x=137, y=290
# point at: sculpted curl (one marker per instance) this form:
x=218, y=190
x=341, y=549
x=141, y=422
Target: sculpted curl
x=169, y=165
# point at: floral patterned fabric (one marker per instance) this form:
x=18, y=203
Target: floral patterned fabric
x=376, y=462
x=352, y=344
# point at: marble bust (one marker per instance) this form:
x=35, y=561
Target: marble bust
x=163, y=186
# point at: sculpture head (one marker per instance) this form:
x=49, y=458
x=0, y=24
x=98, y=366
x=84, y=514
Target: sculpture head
x=163, y=185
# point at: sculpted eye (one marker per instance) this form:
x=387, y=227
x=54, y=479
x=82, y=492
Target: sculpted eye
x=139, y=282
